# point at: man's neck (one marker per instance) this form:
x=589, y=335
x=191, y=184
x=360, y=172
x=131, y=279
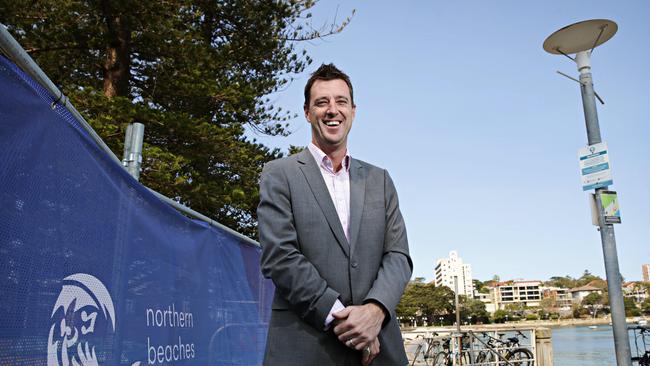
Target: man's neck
x=335, y=153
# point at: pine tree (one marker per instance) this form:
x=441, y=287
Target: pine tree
x=196, y=73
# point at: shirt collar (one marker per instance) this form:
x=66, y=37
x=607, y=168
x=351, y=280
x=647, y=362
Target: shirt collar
x=325, y=160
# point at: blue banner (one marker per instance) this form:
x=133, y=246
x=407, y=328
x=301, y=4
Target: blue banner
x=95, y=270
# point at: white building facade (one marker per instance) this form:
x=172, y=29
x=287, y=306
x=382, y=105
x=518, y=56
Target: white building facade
x=524, y=292
x=448, y=268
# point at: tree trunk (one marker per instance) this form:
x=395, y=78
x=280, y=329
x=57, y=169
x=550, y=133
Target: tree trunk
x=117, y=65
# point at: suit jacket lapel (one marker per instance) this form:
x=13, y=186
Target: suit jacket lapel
x=357, y=197
x=314, y=178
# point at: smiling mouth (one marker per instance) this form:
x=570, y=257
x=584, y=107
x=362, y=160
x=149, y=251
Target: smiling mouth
x=332, y=123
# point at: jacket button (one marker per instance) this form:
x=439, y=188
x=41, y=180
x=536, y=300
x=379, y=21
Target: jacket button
x=355, y=264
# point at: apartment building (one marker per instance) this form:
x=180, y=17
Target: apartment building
x=487, y=299
x=448, y=268
x=526, y=293
x=562, y=296
x=635, y=290
x=579, y=293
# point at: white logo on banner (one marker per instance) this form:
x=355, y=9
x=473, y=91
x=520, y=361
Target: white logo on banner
x=85, y=301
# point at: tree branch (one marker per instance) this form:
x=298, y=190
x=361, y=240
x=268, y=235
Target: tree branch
x=57, y=48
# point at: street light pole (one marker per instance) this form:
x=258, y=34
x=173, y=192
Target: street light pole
x=581, y=39
x=459, y=344
x=612, y=272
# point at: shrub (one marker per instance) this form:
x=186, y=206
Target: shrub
x=532, y=317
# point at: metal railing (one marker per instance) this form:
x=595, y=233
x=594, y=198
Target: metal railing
x=494, y=347
x=641, y=336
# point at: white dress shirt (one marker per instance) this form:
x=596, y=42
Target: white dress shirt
x=338, y=185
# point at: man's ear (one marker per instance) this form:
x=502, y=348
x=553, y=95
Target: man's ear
x=306, y=109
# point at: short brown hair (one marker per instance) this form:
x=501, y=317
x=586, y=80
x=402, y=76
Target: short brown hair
x=327, y=72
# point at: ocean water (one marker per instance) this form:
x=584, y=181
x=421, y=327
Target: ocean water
x=583, y=346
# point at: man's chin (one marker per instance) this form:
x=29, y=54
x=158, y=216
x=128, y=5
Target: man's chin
x=335, y=145
x=328, y=143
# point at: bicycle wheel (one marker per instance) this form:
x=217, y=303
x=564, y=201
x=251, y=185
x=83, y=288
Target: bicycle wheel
x=429, y=356
x=417, y=353
x=465, y=358
x=520, y=357
x=481, y=357
x=487, y=358
x=442, y=358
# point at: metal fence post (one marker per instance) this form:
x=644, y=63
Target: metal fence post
x=132, y=159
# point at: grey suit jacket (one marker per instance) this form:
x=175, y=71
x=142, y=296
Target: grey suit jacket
x=306, y=254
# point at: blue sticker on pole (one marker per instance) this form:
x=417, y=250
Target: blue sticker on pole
x=595, y=169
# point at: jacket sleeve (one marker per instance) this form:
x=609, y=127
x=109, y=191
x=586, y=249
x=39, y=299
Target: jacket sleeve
x=295, y=277
x=396, y=266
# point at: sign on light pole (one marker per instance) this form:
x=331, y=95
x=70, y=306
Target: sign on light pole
x=580, y=39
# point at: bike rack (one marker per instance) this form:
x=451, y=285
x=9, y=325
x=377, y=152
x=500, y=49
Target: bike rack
x=432, y=344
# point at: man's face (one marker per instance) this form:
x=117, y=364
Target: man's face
x=330, y=113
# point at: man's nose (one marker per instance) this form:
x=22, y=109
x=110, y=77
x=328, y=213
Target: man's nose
x=332, y=109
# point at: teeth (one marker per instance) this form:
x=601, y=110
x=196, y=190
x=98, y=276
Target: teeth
x=332, y=123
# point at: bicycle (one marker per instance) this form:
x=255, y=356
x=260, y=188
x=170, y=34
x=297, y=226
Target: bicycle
x=424, y=348
x=442, y=358
x=509, y=351
x=445, y=357
x=435, y=352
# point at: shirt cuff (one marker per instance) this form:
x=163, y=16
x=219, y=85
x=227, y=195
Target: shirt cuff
x=338, y=306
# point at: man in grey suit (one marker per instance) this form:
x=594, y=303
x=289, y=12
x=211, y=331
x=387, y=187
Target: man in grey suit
x=333, y=242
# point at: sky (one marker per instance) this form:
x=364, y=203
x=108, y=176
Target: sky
x=460, y=103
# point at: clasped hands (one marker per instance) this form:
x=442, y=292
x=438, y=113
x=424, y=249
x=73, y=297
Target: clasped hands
x=358, y=326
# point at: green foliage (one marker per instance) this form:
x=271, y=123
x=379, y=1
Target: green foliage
x=296, y=149
x=579, y=311
x=515, y=309
x=542, y=314
x=425, y=300
x=645, y=286
x=593, y=303
x=606, y=298
x=630, y=307
x=570, y=282
x=473, y=311
x=499, y=316
x=512, y=312
x=548, y=303
x=593, y=298
x=480, y=286
x=562, y=282
x=532, y=317
x=645, y=306
x=196, y=73
x=586, y=278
